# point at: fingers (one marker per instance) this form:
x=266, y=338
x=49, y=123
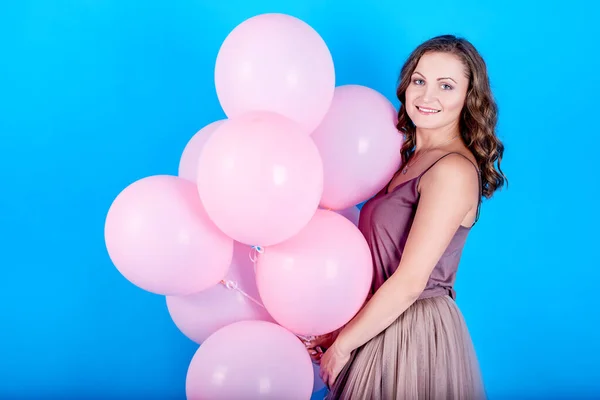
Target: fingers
x=325, y=377
x=316, y=354
x=323, y=372
x=313, y=344
x=331, y=378
x=318, y=340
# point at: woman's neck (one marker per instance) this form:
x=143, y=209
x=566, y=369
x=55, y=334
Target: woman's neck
x=427, y=139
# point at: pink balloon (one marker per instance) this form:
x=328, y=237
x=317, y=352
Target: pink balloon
x=159, y=237
x=318, y=280
x=188, y=164
x=278, y=63
x=352, y=214
x=199, y=315
x=359, y=145
x=260, y=178
x=250, y=360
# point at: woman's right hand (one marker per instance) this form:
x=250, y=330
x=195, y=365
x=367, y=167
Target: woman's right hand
x=317, y=346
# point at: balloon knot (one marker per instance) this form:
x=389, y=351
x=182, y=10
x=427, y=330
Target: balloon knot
x=230, y=284
x=259, y=249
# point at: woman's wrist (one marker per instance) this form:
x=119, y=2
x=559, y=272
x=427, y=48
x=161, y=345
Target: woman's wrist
x=342, y=343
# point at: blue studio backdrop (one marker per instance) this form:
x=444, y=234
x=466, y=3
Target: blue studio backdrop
x=97, y=94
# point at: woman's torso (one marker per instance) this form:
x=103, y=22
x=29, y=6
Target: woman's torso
x=385, y=221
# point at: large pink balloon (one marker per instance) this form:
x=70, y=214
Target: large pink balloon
x=359, y=145
x=260, y=178
x=188, y=163
x=250, y=360
x=315, y=282
x=199, y=315
x=278, y=63
x=160, y=238
x=350, y=213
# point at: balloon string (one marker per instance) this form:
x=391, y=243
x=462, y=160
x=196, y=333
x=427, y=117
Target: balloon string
x=233, y=285
x=256, y=250
x=306, y=338
x=254, y=253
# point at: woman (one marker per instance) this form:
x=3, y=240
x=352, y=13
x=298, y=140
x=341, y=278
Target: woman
x=410, y=341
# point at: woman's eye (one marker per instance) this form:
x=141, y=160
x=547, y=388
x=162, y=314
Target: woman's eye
x=418, y=81
x=445, y=86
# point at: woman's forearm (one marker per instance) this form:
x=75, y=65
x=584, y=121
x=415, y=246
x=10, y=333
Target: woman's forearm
x=386, y=305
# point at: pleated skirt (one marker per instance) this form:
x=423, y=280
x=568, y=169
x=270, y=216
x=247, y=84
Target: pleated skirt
x=426, y=354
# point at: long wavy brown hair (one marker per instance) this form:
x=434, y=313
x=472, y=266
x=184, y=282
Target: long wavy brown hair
x=479, y=115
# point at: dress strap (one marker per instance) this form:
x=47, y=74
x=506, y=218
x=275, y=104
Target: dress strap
x=478, y=176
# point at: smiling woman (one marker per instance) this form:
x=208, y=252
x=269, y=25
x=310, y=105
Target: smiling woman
x=410, y=339
x=445, y=78
x=430, y=93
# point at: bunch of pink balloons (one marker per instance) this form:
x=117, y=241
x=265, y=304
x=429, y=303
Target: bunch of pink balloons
x=256, y=240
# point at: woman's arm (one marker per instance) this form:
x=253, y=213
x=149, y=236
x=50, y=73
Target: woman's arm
x=448, y=191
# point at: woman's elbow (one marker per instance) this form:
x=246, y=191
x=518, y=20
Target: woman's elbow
x=415, y=290
x=411, y=288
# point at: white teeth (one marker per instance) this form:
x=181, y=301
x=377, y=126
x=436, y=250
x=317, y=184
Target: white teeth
x=428, y=110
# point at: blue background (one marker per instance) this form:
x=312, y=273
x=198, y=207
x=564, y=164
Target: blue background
x=97, y=94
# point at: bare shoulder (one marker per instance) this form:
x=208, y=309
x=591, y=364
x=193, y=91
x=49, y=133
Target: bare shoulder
x=453, y=173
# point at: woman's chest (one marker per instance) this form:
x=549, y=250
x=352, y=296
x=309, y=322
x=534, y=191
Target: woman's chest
x=390, y=212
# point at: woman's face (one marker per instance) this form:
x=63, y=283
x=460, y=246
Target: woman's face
x=436, y=94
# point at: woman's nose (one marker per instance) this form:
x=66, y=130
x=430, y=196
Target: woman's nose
x=429, y=95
